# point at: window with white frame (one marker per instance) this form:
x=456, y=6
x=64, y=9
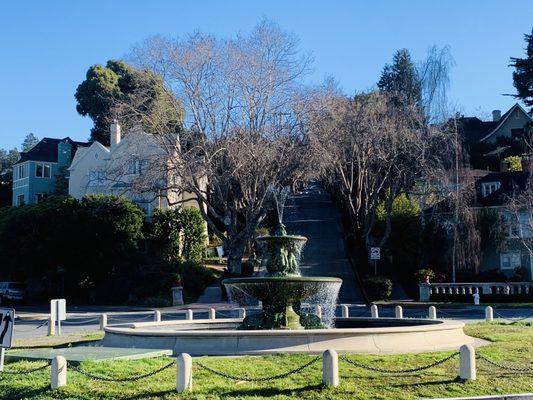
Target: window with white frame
x=136, y=167
x=20, y=171
x=20, y=200
x=489, y=187
x=43, y=170
x=510, y=260
x=39, y=197
x=97, y=178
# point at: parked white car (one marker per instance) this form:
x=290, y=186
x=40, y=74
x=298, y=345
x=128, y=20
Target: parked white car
x=12, y=291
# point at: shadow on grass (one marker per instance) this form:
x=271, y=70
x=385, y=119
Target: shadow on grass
x=14, y=394
x=269, y=391
x=150, y=394
x=429, y=383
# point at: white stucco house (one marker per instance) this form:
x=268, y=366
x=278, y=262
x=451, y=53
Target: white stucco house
x=135, y=166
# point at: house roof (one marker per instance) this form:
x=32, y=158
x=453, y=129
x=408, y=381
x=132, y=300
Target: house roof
x=46, y=150
x=474, y=129
x=510, y=182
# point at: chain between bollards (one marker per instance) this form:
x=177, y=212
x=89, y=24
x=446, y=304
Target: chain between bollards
x=398, y=371
x=125, y=379
x=261, y=379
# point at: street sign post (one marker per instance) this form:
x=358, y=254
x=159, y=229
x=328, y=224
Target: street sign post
x=375, y=255
x=7, y=322
x=58, y=312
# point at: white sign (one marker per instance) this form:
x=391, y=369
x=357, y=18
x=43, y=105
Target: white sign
x=375, y=253
x=7, y=322
x=58, y=309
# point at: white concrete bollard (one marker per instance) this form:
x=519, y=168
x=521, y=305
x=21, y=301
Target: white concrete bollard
x=489, y=314
x=330, y=368
x=318, y=311
x=189, y=314
x=103, y=321
x=2, y=358
x=59, y=372
x=345, y=311
x=432, y=312
x=242, y=313
x=51, y=327
x=374, y=311
x=212, y=313
x=183, y=373
x=398, y=312
x=157, y=316
x=467, y=362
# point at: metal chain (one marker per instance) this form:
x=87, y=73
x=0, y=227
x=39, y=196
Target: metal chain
x=74, y=321
x=512, y=320
x=504, y=366
x=262, y=379
x=126, y=379
x=27, y=371
x=399, y=371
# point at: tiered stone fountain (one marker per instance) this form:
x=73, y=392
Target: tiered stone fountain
x=282, y=289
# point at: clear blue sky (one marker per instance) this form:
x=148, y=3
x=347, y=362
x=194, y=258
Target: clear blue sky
x=47, y=46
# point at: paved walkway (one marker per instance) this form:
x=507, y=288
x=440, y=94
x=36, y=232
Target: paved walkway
x=312, y=214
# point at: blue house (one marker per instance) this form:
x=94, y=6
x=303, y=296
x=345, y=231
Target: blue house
x=36, y=172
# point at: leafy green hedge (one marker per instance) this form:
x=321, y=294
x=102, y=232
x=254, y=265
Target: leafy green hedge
x=378, y=288
x=95, y=249
x=178, y=234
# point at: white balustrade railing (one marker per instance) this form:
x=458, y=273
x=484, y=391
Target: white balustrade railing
x=482, y=288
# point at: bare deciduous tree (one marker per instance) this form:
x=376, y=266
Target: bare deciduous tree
x=244, y=120
x=371, y=151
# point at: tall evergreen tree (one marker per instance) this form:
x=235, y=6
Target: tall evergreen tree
x=401, y=79
x=116, y=83
x=523, y=74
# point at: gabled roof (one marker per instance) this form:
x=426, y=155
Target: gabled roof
x=510, y=182
x=504, y=117
x=83, y=151
x=46, y=150
x=474, y=129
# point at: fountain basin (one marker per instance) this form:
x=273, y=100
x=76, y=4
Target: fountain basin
x=354, y=335
x=287, y=288
x=281, y=297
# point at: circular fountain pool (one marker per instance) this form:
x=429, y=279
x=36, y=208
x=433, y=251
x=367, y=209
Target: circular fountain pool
x=350, y=335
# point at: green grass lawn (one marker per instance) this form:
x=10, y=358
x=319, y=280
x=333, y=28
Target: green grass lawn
x=512, y=344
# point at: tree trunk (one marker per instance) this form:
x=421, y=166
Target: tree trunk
x=235, y=251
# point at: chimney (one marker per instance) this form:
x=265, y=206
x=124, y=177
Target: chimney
x=115, y=134
x=496, y=115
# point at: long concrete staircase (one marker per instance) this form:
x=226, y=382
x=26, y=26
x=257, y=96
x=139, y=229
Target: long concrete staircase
x=312, y=214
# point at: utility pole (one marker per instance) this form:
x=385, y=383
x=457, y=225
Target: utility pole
x=456, y=215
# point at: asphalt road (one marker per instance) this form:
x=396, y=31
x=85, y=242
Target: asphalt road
x=89, y=322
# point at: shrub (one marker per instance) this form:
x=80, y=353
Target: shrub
x=80, y=249
x=378, y=288
x=178, y=234
x=194, y=236
x=424, y=273
x=195, y=278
